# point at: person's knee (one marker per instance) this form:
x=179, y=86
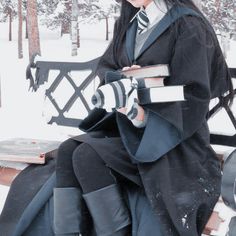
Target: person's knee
x=87, y=163
x=90, y=169
x=65, y=151
x=65, y=176
x=83, y=157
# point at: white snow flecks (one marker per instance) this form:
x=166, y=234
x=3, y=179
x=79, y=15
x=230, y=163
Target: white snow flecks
x=184, y=221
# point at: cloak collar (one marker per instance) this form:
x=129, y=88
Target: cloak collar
x=171, y=16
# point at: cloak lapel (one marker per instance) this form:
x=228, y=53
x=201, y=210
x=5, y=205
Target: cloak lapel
x=171, y=16
x=130, y=40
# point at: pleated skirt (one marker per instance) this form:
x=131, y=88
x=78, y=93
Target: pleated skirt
x=113, y=153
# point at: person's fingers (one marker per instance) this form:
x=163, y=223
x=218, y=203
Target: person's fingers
x=130, y=67
x=125, y=68
x=122, y=110
x=135, y=66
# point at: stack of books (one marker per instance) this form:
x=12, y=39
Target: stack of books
x=16, y=154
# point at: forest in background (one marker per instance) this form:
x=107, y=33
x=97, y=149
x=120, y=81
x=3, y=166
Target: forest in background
x=67, y=15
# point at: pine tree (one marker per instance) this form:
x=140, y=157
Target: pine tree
x=32, y=23
x=65, y=17
x=9, y=12
x=50, y=11
x=56, y=13
x=97, y=10
x=20, y=19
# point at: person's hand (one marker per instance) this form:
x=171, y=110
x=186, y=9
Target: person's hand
x=123, y=109
x=133, y=110
x=130, y=67
x=140, y=111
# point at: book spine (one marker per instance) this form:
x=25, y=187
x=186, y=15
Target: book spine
x=161, y=94
x=148, y=72
x=150, y=82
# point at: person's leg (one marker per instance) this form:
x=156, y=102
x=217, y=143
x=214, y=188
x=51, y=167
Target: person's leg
x=67, y=194
x=91, y=170
x=65, y=176
x=101, y=193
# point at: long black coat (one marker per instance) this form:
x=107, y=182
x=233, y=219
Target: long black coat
x=179, y=170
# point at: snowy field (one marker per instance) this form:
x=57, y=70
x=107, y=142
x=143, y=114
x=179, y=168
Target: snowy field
x=21, y=110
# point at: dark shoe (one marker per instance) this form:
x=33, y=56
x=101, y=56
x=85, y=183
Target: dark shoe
x=109, y=212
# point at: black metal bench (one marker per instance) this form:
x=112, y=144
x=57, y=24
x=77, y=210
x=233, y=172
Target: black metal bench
x=41, y=76
x=65, y=68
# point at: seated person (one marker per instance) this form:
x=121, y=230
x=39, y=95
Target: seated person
x=164, y=148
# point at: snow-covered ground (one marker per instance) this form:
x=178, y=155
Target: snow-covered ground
x=21, y=110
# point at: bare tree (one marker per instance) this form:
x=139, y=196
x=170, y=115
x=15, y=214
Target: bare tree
x=33, y=31
x=20, y=19
x=9, y=12
x=74, y=27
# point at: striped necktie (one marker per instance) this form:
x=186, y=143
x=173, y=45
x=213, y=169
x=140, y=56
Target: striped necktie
x=142, y=21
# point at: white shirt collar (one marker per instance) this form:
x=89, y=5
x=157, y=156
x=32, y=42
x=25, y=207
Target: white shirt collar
x=155, y=11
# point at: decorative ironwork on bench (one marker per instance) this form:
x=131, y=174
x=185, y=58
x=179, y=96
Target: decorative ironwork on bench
x=65, y=68
x=222, y=139
x=42, y=73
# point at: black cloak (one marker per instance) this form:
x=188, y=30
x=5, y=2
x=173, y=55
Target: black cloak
x=179, y=170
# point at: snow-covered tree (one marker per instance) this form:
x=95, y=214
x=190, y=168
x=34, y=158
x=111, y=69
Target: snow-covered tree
x=6, y=7
x=9, y=12
x=65, y=16
x=56, y=13
x=221, y=13
x=97, y=10
x=48, y=10
x=222, y=16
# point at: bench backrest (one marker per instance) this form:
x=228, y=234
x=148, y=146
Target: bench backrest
x=82, y=88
